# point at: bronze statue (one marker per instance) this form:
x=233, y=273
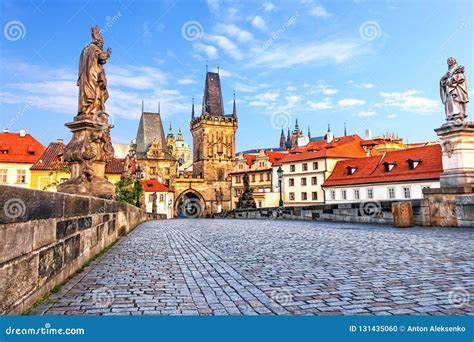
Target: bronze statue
x=91, y=81
x=453, y=92
x=246, y=200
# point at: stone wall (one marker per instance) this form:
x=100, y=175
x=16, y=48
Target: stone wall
x=45, y=237
x=365, y=212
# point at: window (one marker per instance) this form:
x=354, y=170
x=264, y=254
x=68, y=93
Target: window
x=314, y=180
x=21, y=176
x=356, y=194
x=332, y=194
x=292, y=196
x=391, y=193
x=344, y=194
x=422, y=188
x=3, y=175
x=241, y=166
x=389, y=166
x=370, y=193
x=315, y=196
x=167, y=171
x=292, y=168
x=304, y=196
x=315, y=165
x=162, y=198
x=291, y=182
x=351, y=170
x=259, y=204
x=220, y=174
x=253, y=178
x=406, y=192
x=269, y=175
x=413, y=163
x=303, y=181
x=305, y=167
x=261, y=177
x=238, y=179
x=152, y=170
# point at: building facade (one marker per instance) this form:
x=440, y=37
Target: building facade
x=259, y=167
x=180, y=150
x=396, y=175
x=18, y=152
x=158, y=198
x=213, y=154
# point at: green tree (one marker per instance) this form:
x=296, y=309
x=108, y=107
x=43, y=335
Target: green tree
x=125, y=190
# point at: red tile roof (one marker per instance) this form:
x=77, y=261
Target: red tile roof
x=152, y=185
x=273, y=157
x=342, y=147
x=51, y=159
x=372, y=169
x=24, y=149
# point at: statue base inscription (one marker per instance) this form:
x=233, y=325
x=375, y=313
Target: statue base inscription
x=88, y=151
x=457, y=140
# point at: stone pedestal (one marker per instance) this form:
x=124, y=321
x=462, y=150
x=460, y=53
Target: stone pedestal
x=402, y=214
x=457, y=140
x=88, y=152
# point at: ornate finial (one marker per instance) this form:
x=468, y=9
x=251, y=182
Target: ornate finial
x=329, y=128
x=218, y=70
x=207, y=68
x=345, y=130
x=234, y=111
x=192, y=111
x=159, y=109
x=143, y=106
x=309, y=132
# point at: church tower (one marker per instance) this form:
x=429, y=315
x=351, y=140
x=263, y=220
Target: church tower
x=213, y=134
x=282, y=140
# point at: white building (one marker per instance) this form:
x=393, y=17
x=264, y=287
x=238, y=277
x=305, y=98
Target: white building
x=396, y=175
x=164, y=198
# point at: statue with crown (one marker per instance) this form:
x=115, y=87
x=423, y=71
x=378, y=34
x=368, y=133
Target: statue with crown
x=90, y=147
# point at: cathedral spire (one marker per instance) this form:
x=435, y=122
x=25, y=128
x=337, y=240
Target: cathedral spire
x=192, y=110
x=288, y=135
x=297, y=128
x=309, y=132
x=234, y=111
x=345, y=130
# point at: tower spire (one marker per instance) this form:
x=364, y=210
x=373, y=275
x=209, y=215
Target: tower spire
x=297, y=128
x=207, y=68
x=143, y=105
x=345, y=130
x=159, y=110
x=309, y=132
x=234, y=111
x=192, y=110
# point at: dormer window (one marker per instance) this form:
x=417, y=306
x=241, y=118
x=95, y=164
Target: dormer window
x=351, y=170
x=389, y=166
x=413, y=163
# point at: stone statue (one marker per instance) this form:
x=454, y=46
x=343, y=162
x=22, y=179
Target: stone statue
x=453, y=91
x=91, y=81
x=91, y=146
x=246, y=200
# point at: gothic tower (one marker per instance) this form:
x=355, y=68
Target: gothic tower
x=213, y=134
x=282, y=140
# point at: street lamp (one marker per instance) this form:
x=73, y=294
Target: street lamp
x=280, y=177
x=138, y=177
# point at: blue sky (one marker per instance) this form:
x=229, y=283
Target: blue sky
x=370, y=64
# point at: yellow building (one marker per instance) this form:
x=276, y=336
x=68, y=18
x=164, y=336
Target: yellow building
x=51, y=169
x=18, y=152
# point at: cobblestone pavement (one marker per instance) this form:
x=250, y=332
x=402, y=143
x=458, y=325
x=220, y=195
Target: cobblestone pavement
x=258, y=267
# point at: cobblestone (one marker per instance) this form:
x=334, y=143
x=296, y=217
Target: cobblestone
x=257, y=267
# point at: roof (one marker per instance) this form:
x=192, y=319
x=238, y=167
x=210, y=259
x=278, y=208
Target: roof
x=21, y=149
x=51, y=160
x=152, y=185
x=151, y=129
x=342, y=147
x=273, y=157
x=212, y=99
x=372, y=169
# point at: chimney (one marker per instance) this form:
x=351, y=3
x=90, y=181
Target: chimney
x=22, y=133
x=6, y=130
x=60, y=141
x=368, y=134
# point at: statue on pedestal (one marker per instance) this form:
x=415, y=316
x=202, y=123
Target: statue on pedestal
x=91, y=146
x=246, y=200
x=453, y=92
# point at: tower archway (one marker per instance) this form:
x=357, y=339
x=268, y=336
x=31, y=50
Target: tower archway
x=190, y=204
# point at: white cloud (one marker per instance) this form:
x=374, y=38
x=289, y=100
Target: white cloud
x=244, y=88
x=319, y=11
x=268, y=6
x=225, y=44
x=303, y=53
x=290, y=88
x=258, y=104
x=350, y=102
x=209, y=50
x=271, y=95
x=292, y=100
x=186, y=81
x=392, y=116
x=213, y=5
x=326, y=90
x=258, y=22
x=367, y=85
x=366, y=113
x=234, y=31
x=410, y=101
x=325, y=104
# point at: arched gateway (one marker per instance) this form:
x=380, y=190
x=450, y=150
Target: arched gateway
x=190, y=204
